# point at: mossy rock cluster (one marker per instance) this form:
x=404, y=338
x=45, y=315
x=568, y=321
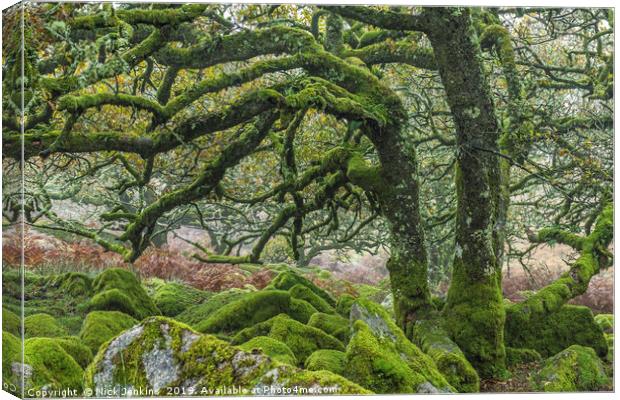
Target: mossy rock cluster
x=101, y=326
x=161, y=354
x=79, y=351
x=117, y=289
x=285, y=280
x=49, y=363
x=195, y=314
x=606, y=322
x=302, y=292
x=521, y=356
x=448, y=357
x=251, y=309
x=57, y=295
x=380, y=358
x=554, y=333
x=73, y=283
x=172, y=298
x=575, y=369
x=11, y=322
x=43, y=325
x=327, y=360
x=343, y=306
x=273, y=348
x=302, y=339
x=50, y=366
x=332, y=324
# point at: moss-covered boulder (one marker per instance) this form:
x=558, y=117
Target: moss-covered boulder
x=81, y=353
x=328, y=360
x=343, y=307
x=382, y=359
x=194, y=315
x=303, y=340
x=332, y=324
x=117, y=289
x=302, y=292
x=249, y=310
x=50, y=367
x=606, y=322
x=552, y=334
x=72, y=283
x=287, y=380
x=448, y=357
x=172, y=298
x=271, y=347
x=521, y=356
x=101, y=326
x=43, y=325
x=11, y=322
x=575, y=369
x=11, y=356
x=301, y=310
x=161, y=356
x=287, y=279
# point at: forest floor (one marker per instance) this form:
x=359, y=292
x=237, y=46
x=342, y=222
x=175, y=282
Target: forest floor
x=519, y=382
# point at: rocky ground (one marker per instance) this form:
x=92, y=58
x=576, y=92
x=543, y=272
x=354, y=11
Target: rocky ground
x=305, y=332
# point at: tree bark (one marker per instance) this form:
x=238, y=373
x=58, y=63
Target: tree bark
x=474, y=314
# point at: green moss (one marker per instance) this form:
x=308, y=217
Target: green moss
x=376, y=367
x=81, y=353
x=605, y=321
x=331, y=324
x=119, y=290
x=572, y=370
x=302, y=292
x=303, y=340
x=609, y=337
x=172, y=298
x=389, y=342
x=246, y=311
x=272, y=347
x=370, y=292
x=301, y=310
x=101, y=326
x=364, y=175
x=287, y=279
x=344, y=304
x=43, y=325
x=328, y=360
x=11, y=353
x=52, y=367
x=521, y=356
x=474, y=318
x=555, y=332
x=200, y=312
x=450, y=360
x=72, y=283
x=11, y=322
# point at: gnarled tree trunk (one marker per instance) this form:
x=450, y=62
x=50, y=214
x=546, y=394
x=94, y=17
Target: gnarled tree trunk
x=474, y=313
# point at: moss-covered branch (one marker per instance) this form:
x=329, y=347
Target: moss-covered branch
x=206, y=181
x=386, y=19
x=592, y=258
x=404, y=52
